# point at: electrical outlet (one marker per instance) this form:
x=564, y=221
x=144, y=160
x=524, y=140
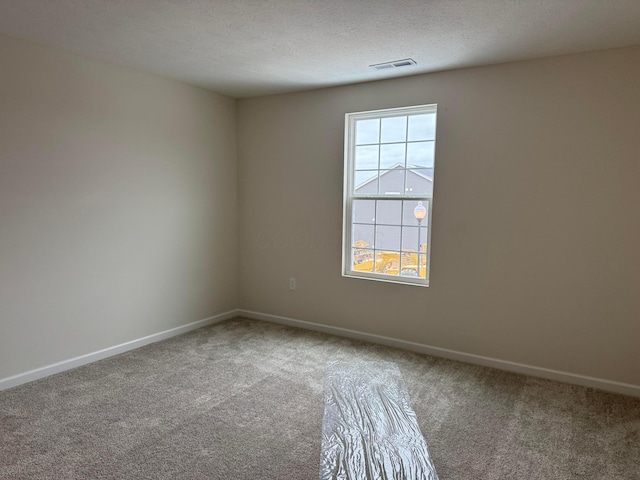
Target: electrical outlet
x=292, y=283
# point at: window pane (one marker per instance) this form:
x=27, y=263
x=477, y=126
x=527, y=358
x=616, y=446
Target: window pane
x=392, y=155
x=394, y=129
x=420, y=181
x=422, y=127
x=411, y=236
x=362, y=236
x=389, y=212
x=387, y=238
x=409, y=213
x=367, y=131
x=423, y=263
x=366, y=182
x=364, y=211
x=409, y=272
x=420, y=154
x=409, y=264
x=388, y=262
x=362, y=259
x=366, y=157
x=392, y=181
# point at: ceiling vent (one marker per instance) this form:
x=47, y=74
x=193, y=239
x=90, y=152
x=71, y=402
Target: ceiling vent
x=407, y=62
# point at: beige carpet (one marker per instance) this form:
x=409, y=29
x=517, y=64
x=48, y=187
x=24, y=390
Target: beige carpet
x=244, y=400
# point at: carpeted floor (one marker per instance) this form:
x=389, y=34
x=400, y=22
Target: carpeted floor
x=244, y=400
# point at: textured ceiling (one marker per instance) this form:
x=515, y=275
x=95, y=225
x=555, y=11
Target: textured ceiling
x=254, y=47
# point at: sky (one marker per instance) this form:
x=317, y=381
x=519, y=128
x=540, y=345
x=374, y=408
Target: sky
x=383, y=143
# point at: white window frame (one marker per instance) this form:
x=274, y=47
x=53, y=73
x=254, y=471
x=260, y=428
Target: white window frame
x=350, y=195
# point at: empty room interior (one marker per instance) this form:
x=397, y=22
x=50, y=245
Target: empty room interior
x=194, y=230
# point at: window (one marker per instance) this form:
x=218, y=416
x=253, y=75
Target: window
x=388, y=194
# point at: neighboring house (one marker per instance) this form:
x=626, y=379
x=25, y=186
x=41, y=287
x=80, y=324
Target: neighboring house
x=398, y=219
x=419, y=180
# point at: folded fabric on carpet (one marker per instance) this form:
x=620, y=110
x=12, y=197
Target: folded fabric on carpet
x=369, y=430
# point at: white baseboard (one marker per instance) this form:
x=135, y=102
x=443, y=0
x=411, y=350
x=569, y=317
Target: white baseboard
x=42, y=372
x=608, y=385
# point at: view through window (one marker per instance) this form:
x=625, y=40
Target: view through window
x=389, y=169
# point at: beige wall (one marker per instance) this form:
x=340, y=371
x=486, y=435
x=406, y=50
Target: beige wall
x=536, y=224
x=117, y=205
